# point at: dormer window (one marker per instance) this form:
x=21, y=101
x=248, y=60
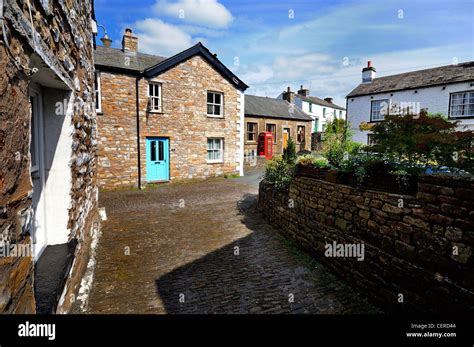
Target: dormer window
x=154, y=97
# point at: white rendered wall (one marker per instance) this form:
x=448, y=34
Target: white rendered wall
x=435, y=99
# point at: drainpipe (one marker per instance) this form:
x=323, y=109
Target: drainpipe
x=138, y=132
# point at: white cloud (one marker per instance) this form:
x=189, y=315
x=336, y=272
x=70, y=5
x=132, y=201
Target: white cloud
x=158, y=37
x=300, y=65
x=208, y=13
x=339, y=80
x=256, y=74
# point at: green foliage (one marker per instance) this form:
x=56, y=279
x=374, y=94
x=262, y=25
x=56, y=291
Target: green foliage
x=337, y=144
x=311, y=160
x=289, y=153
x=279, y=172
x=422, y=141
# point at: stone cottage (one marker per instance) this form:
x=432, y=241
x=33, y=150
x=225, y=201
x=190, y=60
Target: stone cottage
x=166, y=119
x=48, y=192
x=279, y=117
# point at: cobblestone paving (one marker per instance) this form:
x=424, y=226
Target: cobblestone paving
x=202, y=248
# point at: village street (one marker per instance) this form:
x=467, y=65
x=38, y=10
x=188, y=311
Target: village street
x=202, y=247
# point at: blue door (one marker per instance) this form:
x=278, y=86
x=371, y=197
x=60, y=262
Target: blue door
x=157, y=159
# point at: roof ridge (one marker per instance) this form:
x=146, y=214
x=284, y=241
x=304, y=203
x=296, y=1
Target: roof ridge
x=431, y=68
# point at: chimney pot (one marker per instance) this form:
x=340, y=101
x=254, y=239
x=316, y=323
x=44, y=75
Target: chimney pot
x=369, y=63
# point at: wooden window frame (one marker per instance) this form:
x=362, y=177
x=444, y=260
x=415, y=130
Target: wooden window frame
x=214, y=104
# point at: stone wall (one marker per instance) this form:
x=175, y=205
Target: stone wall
x=251, y=147
x=183, y=120
x=418, y=246
x=117, y=128
x=60, y=46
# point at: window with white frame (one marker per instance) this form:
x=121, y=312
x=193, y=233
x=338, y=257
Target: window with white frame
x=98, y=94
x=35, y=138
x=378, y=110
x=461, y=105
x=215, y=150
x=154, y=97
x=215, y=104
x=310, y=107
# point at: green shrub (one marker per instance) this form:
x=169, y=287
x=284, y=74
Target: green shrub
x=289, y=153
x=311, y=160
x=337, y=144
x=423, y=141
x=279, y=172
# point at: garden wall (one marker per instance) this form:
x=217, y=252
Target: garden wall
x=418, y=246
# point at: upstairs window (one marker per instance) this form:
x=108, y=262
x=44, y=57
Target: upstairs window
x=378, y=110
x=310, y=108
x=98, y=94
x=215, y=103
x=154, y=97
x=461, y=105
x=252, y=131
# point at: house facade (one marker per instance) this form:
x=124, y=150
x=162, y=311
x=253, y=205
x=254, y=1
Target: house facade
x=48, y=190
x=166, y=119
x=322, y=111
x=448, y=90
x=279, y=117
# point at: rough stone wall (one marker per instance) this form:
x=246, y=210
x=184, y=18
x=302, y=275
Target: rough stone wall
x=183, y=120
x=117, y=131
x=280, y=124
x=63, y=41
x=420, y=246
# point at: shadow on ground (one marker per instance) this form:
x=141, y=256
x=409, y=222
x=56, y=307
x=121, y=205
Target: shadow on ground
x=259, y=273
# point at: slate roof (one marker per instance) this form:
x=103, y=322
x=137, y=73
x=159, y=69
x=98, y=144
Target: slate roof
x=150, y=65
x=197, y=49
x=115, y=58
x=261, y=106
x=417, y=79
x=320, y=102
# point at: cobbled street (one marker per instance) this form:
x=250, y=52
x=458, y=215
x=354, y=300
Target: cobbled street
x=202, y=248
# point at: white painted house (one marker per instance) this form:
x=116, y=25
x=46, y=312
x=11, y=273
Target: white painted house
x=321, y=111
x=448, y=90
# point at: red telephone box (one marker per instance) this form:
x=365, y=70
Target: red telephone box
x=265, y=145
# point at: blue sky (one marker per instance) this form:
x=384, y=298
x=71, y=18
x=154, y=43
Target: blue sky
x=322, y=45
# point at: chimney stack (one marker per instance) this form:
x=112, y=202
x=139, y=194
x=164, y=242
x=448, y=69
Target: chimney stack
x=289, y=96
x=328, y=100
x=303, y=92
x=129, y=42
x=368, y=73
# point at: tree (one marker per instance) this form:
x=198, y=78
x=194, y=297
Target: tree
x=337, y=143
x=424, y=140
